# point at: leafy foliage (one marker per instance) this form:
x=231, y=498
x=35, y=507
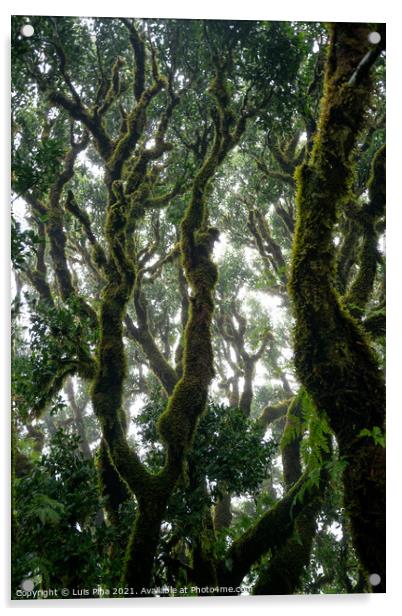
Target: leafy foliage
x=228, y=448
x=60, y=539
x=23, y=243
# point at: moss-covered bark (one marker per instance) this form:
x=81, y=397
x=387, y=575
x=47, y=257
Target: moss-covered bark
x=38, y=275
x=56, y=233
x=161, y=367
x=223, y=512
x=291, y=439
x=332, y=355
x=78, y=419
x=203, y=571
x=282, y=574
x=144, y=539
x=347, y=253
x=52, y=235
x=271, y=531
x=361, y=287
x=111, y=487
x=107, y=389
x=187, y=402
x=178, y=422
x=233, y=331
x=272, y=412
x=184, y=316
x=287, y=564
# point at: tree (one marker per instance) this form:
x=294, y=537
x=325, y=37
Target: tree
x=167, y=374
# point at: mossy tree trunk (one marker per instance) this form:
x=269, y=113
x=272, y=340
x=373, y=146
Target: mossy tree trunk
x=128, y=185
x=187, y=402
x=282, y=575
x=333, y=357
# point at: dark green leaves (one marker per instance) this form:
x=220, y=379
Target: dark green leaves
x=23, y=244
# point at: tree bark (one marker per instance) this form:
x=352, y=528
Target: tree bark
x=332, y=354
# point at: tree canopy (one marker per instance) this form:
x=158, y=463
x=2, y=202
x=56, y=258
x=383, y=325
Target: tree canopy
x=198, y=222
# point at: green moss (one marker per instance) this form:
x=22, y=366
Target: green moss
x=186, y=404
x=271, y=413
x=271, y=531
x=114, y=89
x=111, y=486
x=137, y=43
x=107, y=395
x=99, y=257
x=361, y=287
x=204, y=571
x=135, y=124
x=347, y=252
x=57, y=237
x=143, y=543
x=332, y=355
x=107, y=388
x=52, y=386
x=178, y=422
x=222, y=511
x=282, y=575
x=376, y=184
x=291, y=439
x=375, y=323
